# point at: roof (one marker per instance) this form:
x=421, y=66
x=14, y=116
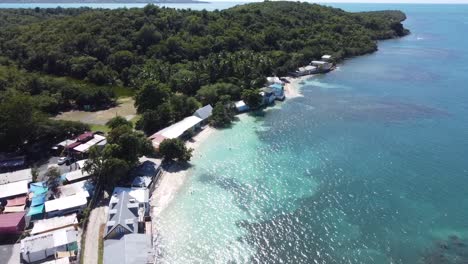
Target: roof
x=36, y=210
x=177, y=129
x=49, y=240
x=326, y=57
x=241, y=106
x=310, y=68
x=123, y=211
x=144, y=173
x=14, y=209
x=66, y=142
x=10, y=220
x=17, y=201
x=157, y=139
x=76, y=175
x=74, y=188
x=130, y=249
x=139, y=194
x=73, y=145
x=276, y=86
x=319, y=62
x=274, y=80
x=84, y=136
x=13, y=189
x=58, y=261
x=68, y=202
x=54, y=223
x=86, y=146
x=204, y=112
x=15, y=176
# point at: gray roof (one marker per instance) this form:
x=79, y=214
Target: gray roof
x=123, y=211
x=130, y=249
x=204, y=112
x=144, y=173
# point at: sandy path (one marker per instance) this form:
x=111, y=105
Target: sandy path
x=97, y=217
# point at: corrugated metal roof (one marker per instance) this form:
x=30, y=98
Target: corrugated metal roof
x=76, y=175
x=68, y=202
x=86, y=146
x=46, y=225
x=17, y=201
x=74, y=188
x=130, y=249
x=15, y=176
x=204, y=112
x=49, y=240
x=10, y=220
x=14, y=189
x=177, y=129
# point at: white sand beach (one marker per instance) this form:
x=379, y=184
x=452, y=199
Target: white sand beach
x=174, y=178
x=291, y=89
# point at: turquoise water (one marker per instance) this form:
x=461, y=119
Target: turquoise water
x=370, y=166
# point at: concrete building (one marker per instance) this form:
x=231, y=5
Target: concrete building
x=43, y=246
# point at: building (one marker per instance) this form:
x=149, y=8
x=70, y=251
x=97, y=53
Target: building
x=327, y=58
x=12, y=223
x=146, y=174
x=129, y=249
x=76, y=175
x=278, y=91
x=43, y=246
x=10, y=190
x=303, y=71
x=268, y=96
x=273, y=80
x=67, y=205
x=322, y=66
x=126, y=214
x=84, y=147
x=15, y=176
x=241, y=106
x=178, y=130
x=75, y=188
x=52, y=224
x=204, y=113
x=15, y=205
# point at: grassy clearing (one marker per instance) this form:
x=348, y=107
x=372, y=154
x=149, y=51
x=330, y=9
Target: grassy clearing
x=102, y=128
x=122, y=92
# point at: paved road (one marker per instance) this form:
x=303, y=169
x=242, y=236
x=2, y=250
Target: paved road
x=10, y=254
x=97, y=217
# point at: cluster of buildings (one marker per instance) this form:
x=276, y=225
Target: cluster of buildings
x=52, y=213
x=322, y=66
x=184, y=128
x=128, y=232
x=273, y=91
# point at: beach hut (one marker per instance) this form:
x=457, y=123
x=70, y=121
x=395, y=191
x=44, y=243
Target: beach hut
x=204, y=113
x=241, y=106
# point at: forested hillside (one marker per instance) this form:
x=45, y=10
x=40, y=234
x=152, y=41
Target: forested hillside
x=175, y=59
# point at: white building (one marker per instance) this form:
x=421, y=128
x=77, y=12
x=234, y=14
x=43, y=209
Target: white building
x=67, y=205
x=15, y=176
x=177, y=130
x=76, y=175
x=13, y=189
x=40, y=247
x=322, y=65
x=55, y=223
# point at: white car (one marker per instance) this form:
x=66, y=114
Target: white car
x=63, y=160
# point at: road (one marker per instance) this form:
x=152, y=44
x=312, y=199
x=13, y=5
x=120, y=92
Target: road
x=97, y=217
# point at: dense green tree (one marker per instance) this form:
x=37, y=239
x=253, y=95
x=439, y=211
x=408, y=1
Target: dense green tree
x=151, y=96
x=222, y=114
x=154, y=120
x=175, y=149
x=117, y=121
x=252, y=98
x=210, y=94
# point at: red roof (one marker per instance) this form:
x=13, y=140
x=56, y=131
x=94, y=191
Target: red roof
x=85, y=136
x=73, y=145
x=12, y=223
x=17, y=201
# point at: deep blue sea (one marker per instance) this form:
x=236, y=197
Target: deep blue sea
x=370, y=166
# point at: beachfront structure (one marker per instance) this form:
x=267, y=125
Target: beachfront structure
x=274, y=80
x=146, y=174
x=15, y=176
x=75, y=188
x=126, y=215
x=42, y=246
x=268, y=96
x=178, y=130
x=12, y=223
x=322, y=66
x=204, y=113
x=241, y=106
x=130, y=249
x=67, y=205
x=278, y=91
x=76, y=175
x=303, y=71
x=55, y=223
x=327, y=58
x=10, y=190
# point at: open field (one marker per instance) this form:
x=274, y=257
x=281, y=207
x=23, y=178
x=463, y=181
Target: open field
x=98, y=119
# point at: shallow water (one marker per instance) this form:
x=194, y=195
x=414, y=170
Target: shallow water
x=370, y=166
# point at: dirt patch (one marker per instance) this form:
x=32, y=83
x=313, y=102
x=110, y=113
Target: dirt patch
x=125, y=107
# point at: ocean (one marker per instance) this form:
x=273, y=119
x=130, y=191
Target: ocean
x=369, y=166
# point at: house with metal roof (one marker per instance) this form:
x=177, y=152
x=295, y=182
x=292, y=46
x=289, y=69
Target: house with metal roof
x=177, y=130
x=10, y=190
x=55, y=223
x=130, y=249
x=76, y=175
x=67, y=205
x=12, y=223
x=126, y=215
x=145, y=174
x=204, y=113
x=15, y=176
x=40, y=247
x=75, y=188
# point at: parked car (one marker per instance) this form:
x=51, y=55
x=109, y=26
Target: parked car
x=65, y=160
